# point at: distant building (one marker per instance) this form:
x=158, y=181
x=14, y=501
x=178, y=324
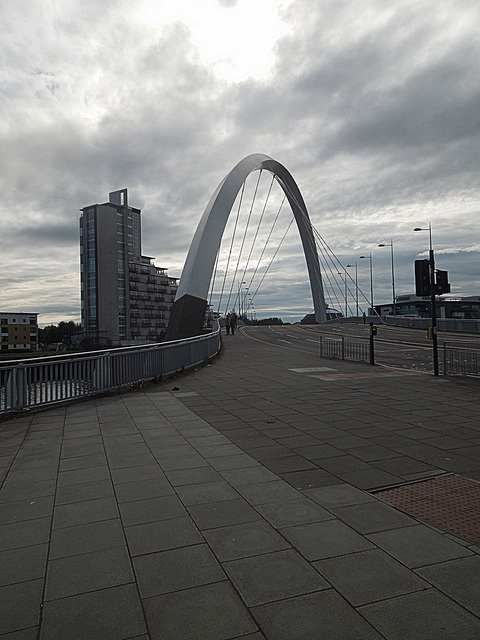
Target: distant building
x=125, y=298
x=331, y=315
x=456, y=308
x=18, y=331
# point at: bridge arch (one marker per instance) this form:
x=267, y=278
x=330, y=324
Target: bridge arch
x=188, y=311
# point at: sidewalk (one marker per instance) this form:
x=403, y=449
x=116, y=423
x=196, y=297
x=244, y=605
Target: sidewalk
x=239, y=501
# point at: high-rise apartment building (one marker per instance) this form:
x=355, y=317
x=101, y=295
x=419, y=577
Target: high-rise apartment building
x=125, y=297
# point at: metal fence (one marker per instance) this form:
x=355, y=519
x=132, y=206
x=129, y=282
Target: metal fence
x=41, y=381
x=464, y=362
x=344, y=349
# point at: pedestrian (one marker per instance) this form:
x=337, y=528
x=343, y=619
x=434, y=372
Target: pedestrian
x=228, y=321
x=233, y=322
x=364, y=317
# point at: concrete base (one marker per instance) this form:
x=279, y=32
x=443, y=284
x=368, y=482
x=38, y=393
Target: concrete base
x=186, y=318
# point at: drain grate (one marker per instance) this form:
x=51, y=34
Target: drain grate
x=450, y=502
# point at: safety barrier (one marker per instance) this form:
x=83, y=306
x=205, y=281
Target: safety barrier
x=344, y=349
x=42, y=381
x=464, y=362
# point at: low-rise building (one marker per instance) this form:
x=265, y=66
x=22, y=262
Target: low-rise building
x=18, y=331
x=465, y=308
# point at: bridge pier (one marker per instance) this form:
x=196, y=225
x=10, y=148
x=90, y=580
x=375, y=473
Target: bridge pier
x=186, y=318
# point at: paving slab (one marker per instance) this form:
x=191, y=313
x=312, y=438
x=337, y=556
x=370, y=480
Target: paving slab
x=177, y=569
x=20, y=605
x=368, y=576
x=458, y=579
x=371, y=517
x=151, y=510
x=325, y=539
x=109, y=614
x=211, y=612
x=239, y=511
x=162, y=535
x=293, y=512
x=288, y=574
x=92, y=571
x=324, y=614
x=219, y=514
x=86, y=538
x=418, y=545
x=425, y=615
x=243, y=540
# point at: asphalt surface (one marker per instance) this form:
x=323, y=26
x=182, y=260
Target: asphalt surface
x=408, y=348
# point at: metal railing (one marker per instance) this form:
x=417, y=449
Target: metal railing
x=41, y=381
x=465, y=362
x=344, y=349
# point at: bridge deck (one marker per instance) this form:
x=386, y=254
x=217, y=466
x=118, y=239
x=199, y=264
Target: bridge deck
x=239, y=502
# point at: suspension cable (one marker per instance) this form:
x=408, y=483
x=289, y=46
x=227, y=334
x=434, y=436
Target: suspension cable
x=230, y=251
x=258, y=227
x=273, y=258
x=243, y=243
x=266, y=242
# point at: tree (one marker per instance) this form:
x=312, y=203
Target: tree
x=53, y=334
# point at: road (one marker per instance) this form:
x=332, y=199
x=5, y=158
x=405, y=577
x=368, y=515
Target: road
x=403, y=347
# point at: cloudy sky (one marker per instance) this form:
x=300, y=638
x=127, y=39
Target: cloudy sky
x=373, y=106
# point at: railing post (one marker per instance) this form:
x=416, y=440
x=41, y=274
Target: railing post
x=444, y=358
x=16, y=388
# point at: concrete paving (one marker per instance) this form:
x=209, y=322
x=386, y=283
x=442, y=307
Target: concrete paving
x=238, y=501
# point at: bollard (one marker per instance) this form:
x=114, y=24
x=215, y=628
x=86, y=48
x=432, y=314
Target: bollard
x=373, y=332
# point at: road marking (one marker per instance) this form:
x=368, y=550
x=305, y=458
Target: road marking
x=372, y=374
x=313, y=369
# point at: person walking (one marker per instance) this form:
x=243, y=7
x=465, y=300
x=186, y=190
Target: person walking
x=233, y=322
x=228, y=323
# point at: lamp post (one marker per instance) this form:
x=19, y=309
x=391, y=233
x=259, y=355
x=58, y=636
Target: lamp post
x=356, y=284
x=433, y=306
x=344, y=278
x=393, y=276
x=240, y=282
x=369, y=257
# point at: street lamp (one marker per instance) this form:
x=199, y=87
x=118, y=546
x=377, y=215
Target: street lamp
x=344, y=278
x=393, y=276
x=369, y=257
x=240, y=282
x=356, y=283
x=433, y=311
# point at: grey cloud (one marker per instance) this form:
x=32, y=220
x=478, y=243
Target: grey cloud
x=373, y=109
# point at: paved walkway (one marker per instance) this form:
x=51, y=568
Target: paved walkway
x=235, y=502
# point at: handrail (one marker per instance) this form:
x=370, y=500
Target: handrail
x=41, y=381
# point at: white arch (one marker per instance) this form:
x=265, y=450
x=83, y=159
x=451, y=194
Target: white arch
x=197, y=272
